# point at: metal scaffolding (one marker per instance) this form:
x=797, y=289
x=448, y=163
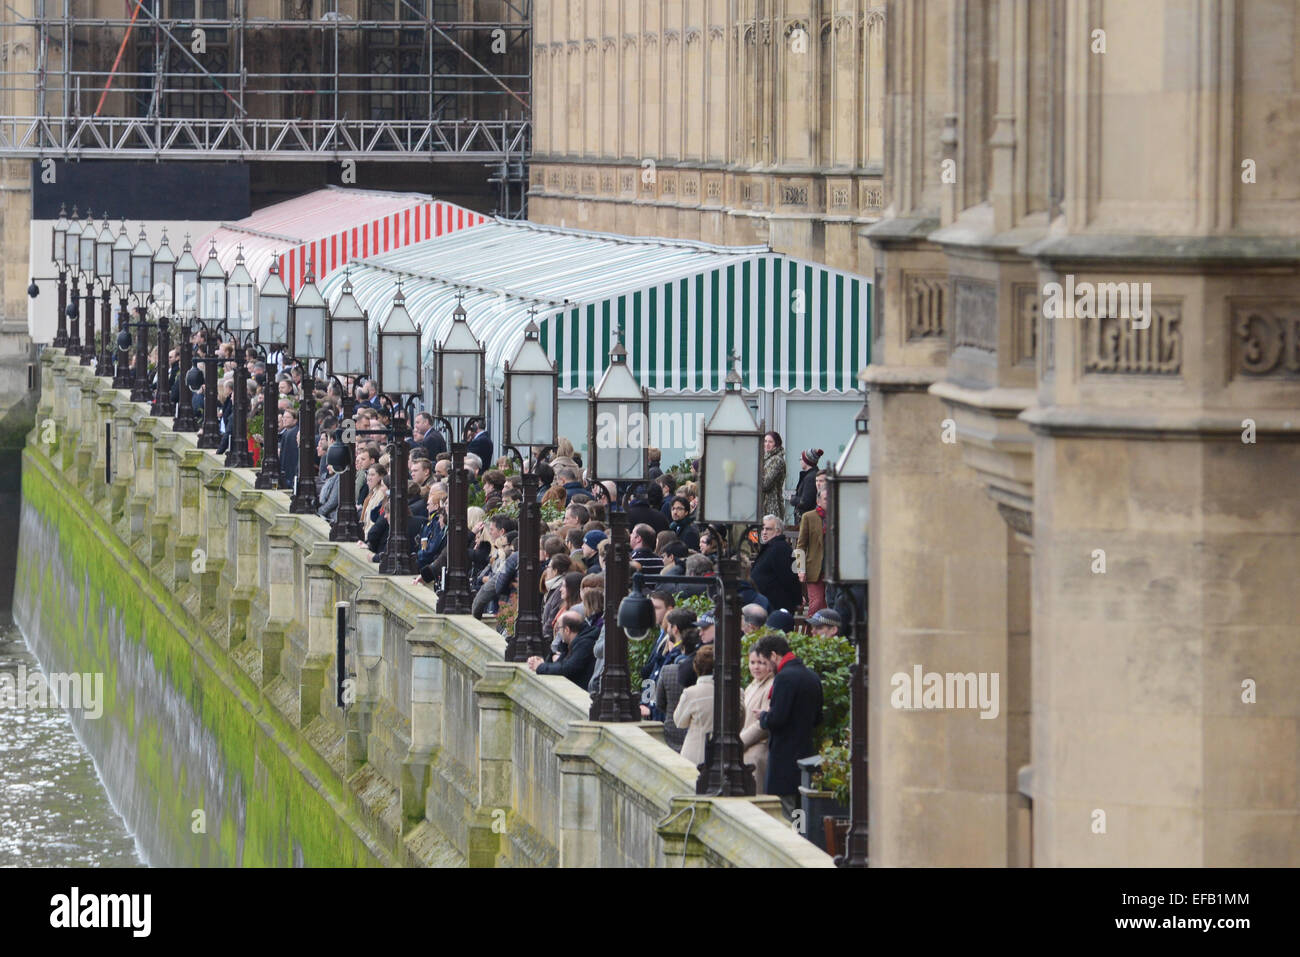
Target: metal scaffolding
x=328, y=80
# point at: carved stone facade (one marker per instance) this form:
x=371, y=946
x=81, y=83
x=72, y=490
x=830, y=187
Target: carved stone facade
x=1096, y=534
x=773, y=108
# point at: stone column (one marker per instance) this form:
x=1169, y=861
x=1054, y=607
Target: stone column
x=494, y=810
x=188, y=533
x=580, y=818
x=1167, y=515
x=428, y=695
x=311, y=650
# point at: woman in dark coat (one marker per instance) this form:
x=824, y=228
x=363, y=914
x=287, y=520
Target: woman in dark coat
x=805, y=491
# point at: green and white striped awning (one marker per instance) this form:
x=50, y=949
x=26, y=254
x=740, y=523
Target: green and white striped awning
x=797, y=326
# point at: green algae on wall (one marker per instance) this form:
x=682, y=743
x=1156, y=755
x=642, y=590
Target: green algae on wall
x=183, y=729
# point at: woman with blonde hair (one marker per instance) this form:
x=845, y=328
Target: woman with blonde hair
x=752, y=735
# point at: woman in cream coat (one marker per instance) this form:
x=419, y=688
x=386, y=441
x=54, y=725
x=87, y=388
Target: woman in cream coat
x=752, y=736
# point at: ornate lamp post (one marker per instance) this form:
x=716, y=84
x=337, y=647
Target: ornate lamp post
x=618, y=414
x=59, y=253
x=307, y=335
x=122, y=280
x=211, y=290
x=241, y=322
x=349, y=358
x=532, y=411
x=460, y=363
x=141, y=289
x=848, y=495
x=399, y=378
x=730, y=480
x=104, y=272
x=72, y=257
x=186, y=275
x=86, y=262
x=164, y=283
x=272, y=334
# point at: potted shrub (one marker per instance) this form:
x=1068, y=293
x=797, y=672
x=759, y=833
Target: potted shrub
x=507, y=612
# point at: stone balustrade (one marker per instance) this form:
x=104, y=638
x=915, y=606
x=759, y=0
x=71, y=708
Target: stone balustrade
x=446, y=754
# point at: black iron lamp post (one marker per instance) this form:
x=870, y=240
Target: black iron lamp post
x=531, y=415
x=211, y=301
x=86, y=262
x=142, y=290
x=185, y=296
x=399, y=379
x=104, y=273
x=307, y=344
x=848, y=540
x=730, y=482
x=272, y=335
x=72, y=257
x=349, y=358
x=459, y=394
x=122, y=283
x=164, y=281
x=618, y=412
x=59, y=252
x=241, y=322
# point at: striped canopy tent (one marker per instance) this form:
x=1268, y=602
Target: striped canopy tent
x=797, y=326
x=330, y=228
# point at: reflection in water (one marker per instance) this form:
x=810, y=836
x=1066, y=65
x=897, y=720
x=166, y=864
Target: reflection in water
x=54, y=811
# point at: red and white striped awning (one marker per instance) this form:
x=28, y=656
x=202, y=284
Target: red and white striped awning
x=329, y=228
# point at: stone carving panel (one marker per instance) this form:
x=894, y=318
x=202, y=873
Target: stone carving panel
x=1112, y=346
x=923, y=304
x=1027, y=305
x=975, y=315
x=794, y=195
x=1265, y=338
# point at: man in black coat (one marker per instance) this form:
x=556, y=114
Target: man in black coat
x=579, y=658
x=423, y=432
x=773, y=573
x=480, y=442
x=289, y=447
x=794, y=709
x=647, y=509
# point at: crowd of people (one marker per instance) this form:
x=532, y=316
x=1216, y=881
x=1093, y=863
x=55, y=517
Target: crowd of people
x=782, y=564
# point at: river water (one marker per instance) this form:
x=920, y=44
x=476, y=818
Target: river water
x=54, y=811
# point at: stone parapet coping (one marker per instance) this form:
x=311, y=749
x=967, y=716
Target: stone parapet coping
x=414, y=715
